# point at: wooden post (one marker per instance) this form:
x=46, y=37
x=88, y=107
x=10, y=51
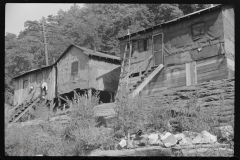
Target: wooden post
x=129, y=63
x=45, y=41
x=89, y=94
x=59, y=102
x=140, y=73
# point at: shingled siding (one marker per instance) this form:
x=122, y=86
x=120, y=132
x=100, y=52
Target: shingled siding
x=209, y=99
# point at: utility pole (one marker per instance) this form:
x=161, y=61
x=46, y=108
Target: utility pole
x=45, y=41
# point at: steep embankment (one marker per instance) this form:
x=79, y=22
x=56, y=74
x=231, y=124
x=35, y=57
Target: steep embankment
x=212, y=98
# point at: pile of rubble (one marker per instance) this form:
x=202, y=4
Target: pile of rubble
x=182, y=142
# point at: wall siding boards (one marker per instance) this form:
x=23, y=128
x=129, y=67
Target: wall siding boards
x=168, y=77
x=93, y=72
x=228, y=29
x=68, y=82
x=48, y=75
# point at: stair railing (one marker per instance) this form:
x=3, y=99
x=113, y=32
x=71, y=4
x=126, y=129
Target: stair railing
x=139, y=67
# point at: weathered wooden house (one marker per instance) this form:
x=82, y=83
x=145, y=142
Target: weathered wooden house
x=191, y=49
x=35, y=78
x=79, y=68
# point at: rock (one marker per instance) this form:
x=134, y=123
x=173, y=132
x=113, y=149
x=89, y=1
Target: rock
x=159, y=143
x=204, y=137
x=143, y=142
x=163, y=136
x=169, y=141
x=226, y=131
x=190, y=134
x=152, y=138
x=179, y=136
x=123, y=143
x=185, y=141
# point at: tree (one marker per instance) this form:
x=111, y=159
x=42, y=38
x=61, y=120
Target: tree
x=189, y=8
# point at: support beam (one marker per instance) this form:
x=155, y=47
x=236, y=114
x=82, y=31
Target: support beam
x=90, y=94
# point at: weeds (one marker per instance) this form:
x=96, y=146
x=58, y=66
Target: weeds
x=81, y=133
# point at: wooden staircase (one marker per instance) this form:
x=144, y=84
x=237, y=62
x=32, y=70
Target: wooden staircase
x=145, y=79
x=23, y=108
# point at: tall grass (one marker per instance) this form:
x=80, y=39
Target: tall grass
x=80, y=134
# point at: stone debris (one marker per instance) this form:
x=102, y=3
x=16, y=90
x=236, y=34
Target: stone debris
x=204, y=137
x=186, y=141
x=165, y=135
x=170, y=141
x=179, y=136
x=153, y=138
x=123, y=143
x=226, y=132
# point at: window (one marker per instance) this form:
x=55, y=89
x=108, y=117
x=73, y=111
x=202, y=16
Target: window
x=143, y=45
x=25, y=83
x=198, y=30
x=74, y=69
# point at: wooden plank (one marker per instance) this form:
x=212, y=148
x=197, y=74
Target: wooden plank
x=193, y=74
x=163, y=83
x=188, y=74
x=62, y=98
x=213, y=75
x=145, y=82
x=207, y=61
x=211, y=67
x=165, y=75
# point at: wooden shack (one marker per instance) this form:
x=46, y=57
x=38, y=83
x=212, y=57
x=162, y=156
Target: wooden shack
x=82, y=69
x=35, y=78
x=186, y=51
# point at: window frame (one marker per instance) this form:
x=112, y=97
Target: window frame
x=194, y=26
x=74, y=69
x=145, y=42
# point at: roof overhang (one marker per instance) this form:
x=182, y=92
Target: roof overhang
x=171, y=21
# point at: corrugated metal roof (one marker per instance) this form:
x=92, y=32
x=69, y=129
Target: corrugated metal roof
x=173, y=20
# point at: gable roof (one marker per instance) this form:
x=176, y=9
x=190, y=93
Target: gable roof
x=173, y=20
x=85, y=50
x=32, y=70
x=89, y=52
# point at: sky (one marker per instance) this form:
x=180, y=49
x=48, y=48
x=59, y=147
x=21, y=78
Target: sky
x=18, y=13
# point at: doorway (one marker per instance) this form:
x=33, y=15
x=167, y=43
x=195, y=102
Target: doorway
x=158, y=49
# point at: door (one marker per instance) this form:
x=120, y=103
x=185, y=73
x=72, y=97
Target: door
x=158, y=49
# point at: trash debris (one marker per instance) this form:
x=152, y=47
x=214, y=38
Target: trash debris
x=204, y=137
x=226, y=131
x=123, y=143
x=152, y=138
x=164, y=136
x=169, y=141
x=143, y=142
x=130, y=143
